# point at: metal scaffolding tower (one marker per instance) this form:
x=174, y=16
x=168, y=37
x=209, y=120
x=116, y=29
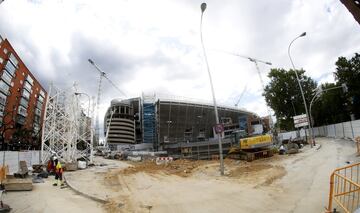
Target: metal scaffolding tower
x=67, y=132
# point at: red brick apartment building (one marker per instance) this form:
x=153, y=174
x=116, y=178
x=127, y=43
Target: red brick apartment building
x=22, y=102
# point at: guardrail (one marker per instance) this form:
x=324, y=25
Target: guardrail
x=345, y=188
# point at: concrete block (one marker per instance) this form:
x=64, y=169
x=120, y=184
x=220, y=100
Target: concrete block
x=18, y=184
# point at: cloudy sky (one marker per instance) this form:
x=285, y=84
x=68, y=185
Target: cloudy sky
x=154, y=46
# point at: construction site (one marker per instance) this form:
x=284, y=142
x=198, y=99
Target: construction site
x=164, y=154
x=282, y=183
x=82, y=147
x=182, y=171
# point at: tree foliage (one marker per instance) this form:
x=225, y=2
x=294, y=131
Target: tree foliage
x=348, y=72
x=283, y=95
x=330, y=107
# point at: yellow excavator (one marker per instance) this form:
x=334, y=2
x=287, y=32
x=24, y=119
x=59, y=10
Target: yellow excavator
x=252, y=147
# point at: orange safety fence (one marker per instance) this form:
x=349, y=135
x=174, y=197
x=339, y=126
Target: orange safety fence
x=4, y=170
x=345, y=188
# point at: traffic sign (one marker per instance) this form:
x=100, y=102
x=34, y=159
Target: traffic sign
x=301, y=120
x=219, y=128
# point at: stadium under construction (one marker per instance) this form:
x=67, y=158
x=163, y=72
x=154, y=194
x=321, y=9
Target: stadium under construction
x=172, y=124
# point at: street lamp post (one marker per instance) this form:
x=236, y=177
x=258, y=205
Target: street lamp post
x=318, y=92
x=203, y=7
x=301, y=90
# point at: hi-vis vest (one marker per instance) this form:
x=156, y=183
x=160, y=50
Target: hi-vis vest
x=58, y=168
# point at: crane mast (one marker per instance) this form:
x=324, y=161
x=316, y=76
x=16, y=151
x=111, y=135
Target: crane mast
x=256, y=61
x=102, y=75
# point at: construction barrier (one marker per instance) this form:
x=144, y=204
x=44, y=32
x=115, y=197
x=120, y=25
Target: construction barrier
x=12, y=159
x=164, y=160
x=4, y=170
x=346, y=130
x=357, y=141
x=345, y=189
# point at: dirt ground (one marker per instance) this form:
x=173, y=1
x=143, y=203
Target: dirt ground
x=289, y=183
x=46, y=198
x=282, y=183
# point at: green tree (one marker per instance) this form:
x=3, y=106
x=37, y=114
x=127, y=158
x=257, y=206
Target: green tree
x=283, y=95
x=330, y=107
x=348, y=72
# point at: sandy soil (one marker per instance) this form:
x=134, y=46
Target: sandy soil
x=288, y=183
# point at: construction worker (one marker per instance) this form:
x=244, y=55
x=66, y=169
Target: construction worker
x=50, y=168
x=58, y=172
x=282, y=150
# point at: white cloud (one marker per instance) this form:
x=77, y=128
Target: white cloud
x=155, y=45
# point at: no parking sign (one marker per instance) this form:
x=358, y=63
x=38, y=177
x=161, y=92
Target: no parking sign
x=219, y=128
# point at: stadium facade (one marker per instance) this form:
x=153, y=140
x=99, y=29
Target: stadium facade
x=157, y=121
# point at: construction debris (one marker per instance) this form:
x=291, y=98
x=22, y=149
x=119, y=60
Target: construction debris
x=37, y=168
x=23, y=170
x=134, y=159
x=17, y=184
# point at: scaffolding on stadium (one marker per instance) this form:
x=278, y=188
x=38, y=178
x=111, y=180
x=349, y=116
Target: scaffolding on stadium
x=149, y=120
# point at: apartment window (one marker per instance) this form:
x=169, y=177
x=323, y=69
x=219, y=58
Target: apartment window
x=13, y=60
x=37, y=119
x=36, y=128
x=22, y=111
x=2, y=110
x=39, y=105
x=24, y=102
x=10, y=68
x=37, y=111
x=1, y=60
x=30, y=80
x=27, y=86
x=2, y=99
x=5, y=51
x=20, y=119
x=26, y=94
x=42, y=93
x=4, y=87
x=41, y=99
x=6, y=77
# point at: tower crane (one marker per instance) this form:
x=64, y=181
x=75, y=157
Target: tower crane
x=102, y=75
x=256, y=61
x=242, y=94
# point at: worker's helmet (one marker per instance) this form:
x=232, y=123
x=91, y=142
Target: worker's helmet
x=54, y=158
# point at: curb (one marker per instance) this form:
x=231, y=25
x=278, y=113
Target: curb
x=84, y=194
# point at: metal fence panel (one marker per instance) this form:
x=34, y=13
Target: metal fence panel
x=316, y=131
x=287, y=135
x=347, y=130
x=302, y=133
x=356, y=127
x=339, y=130
x=12, y=159
x=331, y=130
